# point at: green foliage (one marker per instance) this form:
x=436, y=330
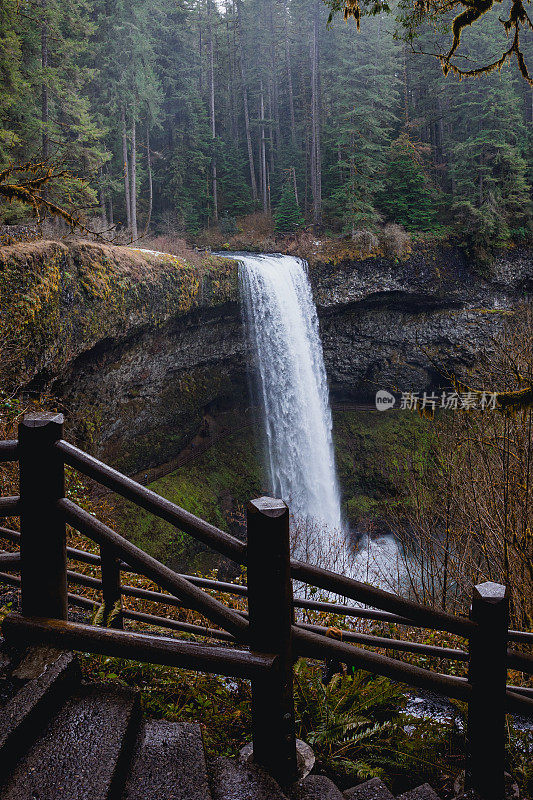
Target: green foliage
x=407, y=196
x=358, y=729
x=481, y=230
x=235, y=198
x=358, y=132
x=288, y=216
x=347, y=721
x=147, y=61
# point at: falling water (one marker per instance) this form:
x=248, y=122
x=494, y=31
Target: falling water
x=291, y=386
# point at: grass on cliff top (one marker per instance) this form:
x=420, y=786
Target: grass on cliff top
x=58, y=299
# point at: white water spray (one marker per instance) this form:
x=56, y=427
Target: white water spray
x=291, y=386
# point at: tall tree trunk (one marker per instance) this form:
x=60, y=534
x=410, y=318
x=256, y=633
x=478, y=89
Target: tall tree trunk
x=150, y=183
x=125, y=169
x=439, y=133
x=231, y=77
x=270, y=131
x=101, y=192
x=405, y=87
x=45, y=112
x=212, y=111
x=253, y=181
x=134, y=234
x=273, y=83
x=316, y=156
x=264, y=190
x=293, y=173
x=289, y=75
x=200, y=58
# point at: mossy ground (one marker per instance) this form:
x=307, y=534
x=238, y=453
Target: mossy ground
x=376, y=452
x=215, y=487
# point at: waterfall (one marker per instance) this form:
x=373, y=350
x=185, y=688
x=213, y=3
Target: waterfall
x=289, y=381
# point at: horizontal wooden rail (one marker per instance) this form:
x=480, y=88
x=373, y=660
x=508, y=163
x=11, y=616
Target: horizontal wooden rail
x=150, y=501
x=520, y=661
x=355, y=611
x=9, y=534
x=525, y=690
x=518, y=703
x=74, y=599
x=152, y=596
x=9, y=506
x=77, y=555
x=385, y=601
x=9, y=560
x=391, y=644
x=83, y=556
x=163, y=576
x=136, y=646
x=521, y=636
x=177, y=625
x=11, y=580
x=9, y=450
x=84, y=580
x=316, y=646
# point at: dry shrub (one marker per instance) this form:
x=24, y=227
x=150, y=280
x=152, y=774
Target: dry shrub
x=471, y=512
x=257, y=224
x=170, y=243
x=270, y=244
x=300, y=243
x=394, y=241
x=365, y=242
x=211, y=238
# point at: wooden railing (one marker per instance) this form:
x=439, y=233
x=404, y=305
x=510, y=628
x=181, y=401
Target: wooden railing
x=260, y=644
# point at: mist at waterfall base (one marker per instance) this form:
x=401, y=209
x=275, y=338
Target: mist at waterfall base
x=289, y=385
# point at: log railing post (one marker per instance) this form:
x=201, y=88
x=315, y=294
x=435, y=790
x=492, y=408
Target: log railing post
x=112, y=595
x=43, y=558
x=271, y=615
x=487, y=673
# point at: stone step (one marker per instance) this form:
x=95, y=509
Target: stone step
x=373, y=789
x=168, y=764
x=231, y=780
x=34, y=692
x=315, y=787
x=84, y=751
x=424, y=792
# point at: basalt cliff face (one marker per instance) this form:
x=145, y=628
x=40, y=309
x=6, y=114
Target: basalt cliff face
x=407, y=325
x=147, y=353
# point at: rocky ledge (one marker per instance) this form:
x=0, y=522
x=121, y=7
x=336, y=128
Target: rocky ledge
x=146, y=351
x=133, y=344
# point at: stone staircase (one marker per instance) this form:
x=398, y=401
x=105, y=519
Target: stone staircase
x=63, y=739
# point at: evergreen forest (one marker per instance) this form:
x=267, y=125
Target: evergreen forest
x=178, y=115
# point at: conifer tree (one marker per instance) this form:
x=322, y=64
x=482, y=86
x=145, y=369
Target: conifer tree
x=407, y=196
x=288, y=216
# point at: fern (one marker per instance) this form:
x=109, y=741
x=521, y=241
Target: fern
x=347, y=720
